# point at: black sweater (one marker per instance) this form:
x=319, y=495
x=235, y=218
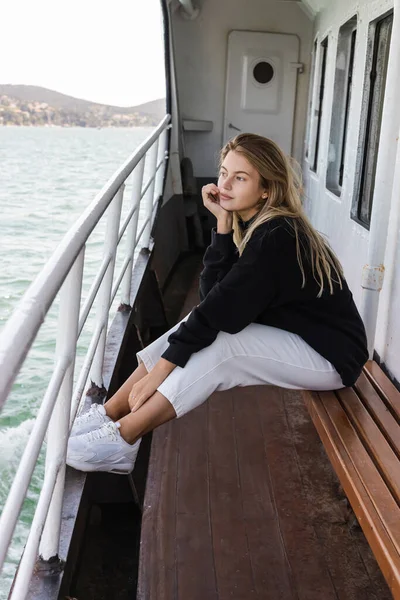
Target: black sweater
x=264, y=285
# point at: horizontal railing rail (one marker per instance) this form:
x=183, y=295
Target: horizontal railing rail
x=64, y=273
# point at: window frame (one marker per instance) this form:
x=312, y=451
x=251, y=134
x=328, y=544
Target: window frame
x=319, y=102
x=371, y=118
x=311, y=99
x=342, y=93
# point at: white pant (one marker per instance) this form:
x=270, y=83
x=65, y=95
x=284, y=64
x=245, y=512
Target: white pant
x=257, y=355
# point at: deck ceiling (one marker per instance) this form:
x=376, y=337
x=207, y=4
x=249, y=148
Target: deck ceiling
x=311, y=7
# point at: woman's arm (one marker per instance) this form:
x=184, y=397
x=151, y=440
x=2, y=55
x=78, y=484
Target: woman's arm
x=219, y=257
x=142, y=390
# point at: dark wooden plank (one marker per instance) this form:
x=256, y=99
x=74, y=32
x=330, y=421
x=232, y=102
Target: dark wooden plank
x=231, y=554
x=384, y=386
x=328, y=416
x=303, y=549
x=195, y=562
x=385, y=419
x=193, y=484
x=267, y=554
x=192, y=298
x=350, y=561
x=376, y=444
x=157, y=565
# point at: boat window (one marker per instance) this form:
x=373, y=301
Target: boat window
x=341, y=105
x=310, y=97
x=263, y=72
x=371, y=116
x=316, y=126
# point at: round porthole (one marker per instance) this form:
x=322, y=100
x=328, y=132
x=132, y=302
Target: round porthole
x=263, y=72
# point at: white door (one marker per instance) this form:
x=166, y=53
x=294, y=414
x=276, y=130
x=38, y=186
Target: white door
x=261, y=85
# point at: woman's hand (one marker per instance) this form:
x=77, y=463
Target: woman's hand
x=210, y=195
x=145, y=388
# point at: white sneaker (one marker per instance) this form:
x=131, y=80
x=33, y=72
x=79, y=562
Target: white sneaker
x=93, y=418
x=102, y=449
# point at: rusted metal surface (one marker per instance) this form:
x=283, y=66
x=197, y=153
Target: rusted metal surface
x=372, y=277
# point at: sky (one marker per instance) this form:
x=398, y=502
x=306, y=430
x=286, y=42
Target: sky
x=107, y=51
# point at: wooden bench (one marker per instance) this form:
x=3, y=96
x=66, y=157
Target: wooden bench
x=360, y=429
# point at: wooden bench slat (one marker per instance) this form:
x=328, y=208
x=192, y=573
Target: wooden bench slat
x=384, y=386
x=380, y=530
x=386, y=506
x=386, y=460
x=380, y=412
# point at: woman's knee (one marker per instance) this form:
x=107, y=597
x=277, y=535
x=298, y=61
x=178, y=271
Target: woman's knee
x=213, y=368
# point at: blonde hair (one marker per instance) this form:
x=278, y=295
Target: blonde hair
x=279, y=177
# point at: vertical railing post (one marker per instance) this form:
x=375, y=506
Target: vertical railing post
x=70, y=301
x=162, y=156
x=132, y=231
x=149, y=196
x=104, y=295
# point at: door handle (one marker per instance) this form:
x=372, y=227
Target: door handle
x=233, y=127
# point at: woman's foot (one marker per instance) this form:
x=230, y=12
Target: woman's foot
x=93, y=418
x=102, y=449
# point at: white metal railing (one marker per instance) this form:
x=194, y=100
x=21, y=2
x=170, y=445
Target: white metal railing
x=64, y=271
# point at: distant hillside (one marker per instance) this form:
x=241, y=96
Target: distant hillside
x=32, y=105
x=155, y=108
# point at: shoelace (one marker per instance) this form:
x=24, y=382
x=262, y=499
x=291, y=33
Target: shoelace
x=108, y=430
x=88, y=414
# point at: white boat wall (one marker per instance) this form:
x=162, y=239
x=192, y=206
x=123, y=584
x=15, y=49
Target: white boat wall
x=365, y=238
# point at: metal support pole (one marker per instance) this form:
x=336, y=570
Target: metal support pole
x=132, y=231
x=149, y=196
x=23, y=577
x=392, y=244
x=110, y=248
x=70, y=300
x=162, y=156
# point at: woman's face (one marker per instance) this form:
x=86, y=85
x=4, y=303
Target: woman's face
x=239, y=185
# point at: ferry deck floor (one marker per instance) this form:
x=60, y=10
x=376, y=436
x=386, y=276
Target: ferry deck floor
x=241, y=502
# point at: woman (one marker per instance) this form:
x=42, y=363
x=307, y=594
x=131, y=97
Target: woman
x=275, y=309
